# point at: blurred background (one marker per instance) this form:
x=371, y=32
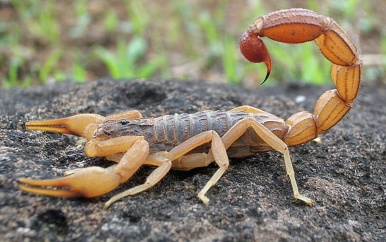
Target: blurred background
x=56, y=40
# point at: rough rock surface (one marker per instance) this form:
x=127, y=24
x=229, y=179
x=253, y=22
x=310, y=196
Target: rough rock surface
x=344, y=175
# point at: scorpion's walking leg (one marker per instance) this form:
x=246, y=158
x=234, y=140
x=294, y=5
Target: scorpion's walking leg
x=247, y=109
x=162, y=160
x=216, y=153
x=266, y=135
x=129, y=114
x=203, y=159
x=95, y=181
x=272, y=140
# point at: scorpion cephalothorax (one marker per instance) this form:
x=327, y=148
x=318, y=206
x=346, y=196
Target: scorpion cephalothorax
x=186, y=141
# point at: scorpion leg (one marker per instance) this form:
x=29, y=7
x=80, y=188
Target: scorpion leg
x=188, y=162
x=247, y=109
x=202, y=159
x=160, y=159
x=272, y=140
x=129, y=114
x=216, y=153
x=95, y=181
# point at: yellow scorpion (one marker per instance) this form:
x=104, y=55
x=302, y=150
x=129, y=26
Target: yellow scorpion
x=187, y=141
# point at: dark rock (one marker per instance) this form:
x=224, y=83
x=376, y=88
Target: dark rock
x=344, y=175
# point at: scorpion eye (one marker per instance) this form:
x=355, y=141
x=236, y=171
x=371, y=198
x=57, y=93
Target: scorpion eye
x=124, y=121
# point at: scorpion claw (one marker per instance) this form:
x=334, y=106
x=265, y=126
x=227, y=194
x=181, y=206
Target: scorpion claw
x=47, y=192
x=87, y=182
x=79, y=125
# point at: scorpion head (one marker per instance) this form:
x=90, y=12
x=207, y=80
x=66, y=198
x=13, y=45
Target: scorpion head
x=113, y=128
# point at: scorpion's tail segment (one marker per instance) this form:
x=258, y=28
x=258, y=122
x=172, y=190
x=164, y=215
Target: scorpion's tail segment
x=301, y=25
x=330, y=108
x=335, y=44
x=80, y=125
x=298, y=26
x=87, y=182
x=254, y=50
x=347, y=80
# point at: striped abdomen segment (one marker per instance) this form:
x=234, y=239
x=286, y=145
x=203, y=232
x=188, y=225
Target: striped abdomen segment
x=171, y=130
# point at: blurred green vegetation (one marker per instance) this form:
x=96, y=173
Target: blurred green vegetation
x=49, y=41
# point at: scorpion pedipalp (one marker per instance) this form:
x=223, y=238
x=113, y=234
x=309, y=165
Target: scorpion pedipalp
x=81, y=125
x=88, y=182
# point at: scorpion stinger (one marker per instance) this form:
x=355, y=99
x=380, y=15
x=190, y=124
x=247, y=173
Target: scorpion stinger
x=254, y=50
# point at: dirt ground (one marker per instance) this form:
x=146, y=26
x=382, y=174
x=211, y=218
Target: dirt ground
x=344, y=175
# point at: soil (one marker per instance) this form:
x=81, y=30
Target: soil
x=344, y=174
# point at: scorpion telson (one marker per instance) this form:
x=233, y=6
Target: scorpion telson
x=176, y=141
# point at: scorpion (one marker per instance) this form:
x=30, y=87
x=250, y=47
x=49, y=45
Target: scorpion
x=187, y=141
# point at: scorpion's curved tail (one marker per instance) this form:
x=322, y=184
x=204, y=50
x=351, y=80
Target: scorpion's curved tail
x=298, y=26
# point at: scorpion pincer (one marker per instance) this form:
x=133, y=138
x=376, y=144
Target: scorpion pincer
x=187, y=141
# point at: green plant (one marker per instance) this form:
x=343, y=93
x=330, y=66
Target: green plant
x=79, y=73
x=49, y=66
x=83, y=19
x=60, y=40
x=111, y=20
x=137, y=16
x=15, y=66
x=125, y=63
x=39, y=19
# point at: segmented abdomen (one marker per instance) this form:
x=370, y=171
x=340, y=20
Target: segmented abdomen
x=171, y=130
x=168, y=131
